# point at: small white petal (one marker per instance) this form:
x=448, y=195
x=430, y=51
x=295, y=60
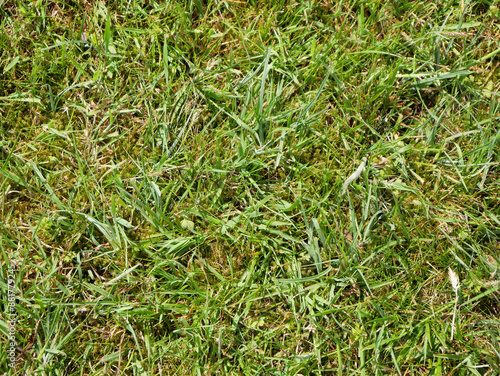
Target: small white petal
x=455, y=282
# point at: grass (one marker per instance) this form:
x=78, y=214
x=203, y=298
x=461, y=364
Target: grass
x=172, y=187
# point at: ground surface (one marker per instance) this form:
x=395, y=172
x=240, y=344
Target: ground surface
x=173, y=197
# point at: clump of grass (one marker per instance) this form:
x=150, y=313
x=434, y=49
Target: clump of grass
x=174, y=194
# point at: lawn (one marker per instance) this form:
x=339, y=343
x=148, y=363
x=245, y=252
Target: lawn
x=249, y=187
